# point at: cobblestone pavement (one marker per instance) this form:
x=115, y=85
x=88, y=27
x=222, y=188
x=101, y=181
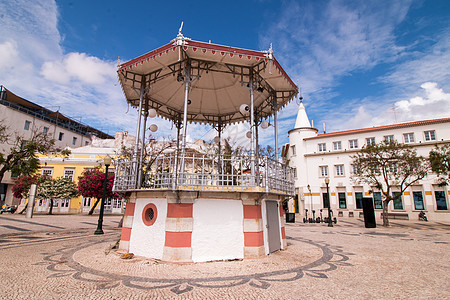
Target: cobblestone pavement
x=409, y=260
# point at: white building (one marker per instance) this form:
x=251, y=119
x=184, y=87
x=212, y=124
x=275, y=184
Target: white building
x=318, y=156
x=25, y=118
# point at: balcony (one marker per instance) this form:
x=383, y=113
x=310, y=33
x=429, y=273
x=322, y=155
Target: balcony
x=205, y=173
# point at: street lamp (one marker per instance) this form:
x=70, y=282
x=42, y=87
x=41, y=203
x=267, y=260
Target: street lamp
x=330, y=222
x=310, y=196
x=107, y=162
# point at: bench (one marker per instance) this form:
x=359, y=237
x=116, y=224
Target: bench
x=397, y=215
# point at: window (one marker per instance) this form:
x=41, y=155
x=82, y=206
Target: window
x=293, y=149
x=117, y=203
x=340, y=170
x=87, y=201
x=337, y=146
x=323, y=171
x=60, y=137
x=430, y=135
x=86, y=143
x=409, y=137
x=55, y=203
x=69, y=173
x=393, y=167
x=342, y=201
x=27, y=125
x=65, y=202
x=74, y=141
x=354, y=169
x=370, y=141
x=353, y=144
x=358, y=198
x=418, y=200
x=47, y=171
x=295, y=172
x=441, y=204
x=45, y=130
x=388, y=138
x=398, y=203
x=377, y=202
x=322, y=147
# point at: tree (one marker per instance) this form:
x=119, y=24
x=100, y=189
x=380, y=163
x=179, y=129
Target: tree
x=23, y=183
x=440, y=163
x=18, y=154
x=386, y=165
x=56, y=189
x=90, y=184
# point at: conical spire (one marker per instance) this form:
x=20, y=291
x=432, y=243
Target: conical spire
x=302, y=118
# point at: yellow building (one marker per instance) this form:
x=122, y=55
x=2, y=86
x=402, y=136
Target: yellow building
x=80, y=159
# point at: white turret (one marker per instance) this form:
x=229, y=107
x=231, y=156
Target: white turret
x=297, y=149
x=302, y=118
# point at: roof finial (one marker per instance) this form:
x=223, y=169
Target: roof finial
x=181, y=28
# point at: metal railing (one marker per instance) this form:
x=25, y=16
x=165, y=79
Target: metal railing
x=206, y=173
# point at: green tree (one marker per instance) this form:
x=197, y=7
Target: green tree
x=440, y=163
x=18, y=154
x=386, y=165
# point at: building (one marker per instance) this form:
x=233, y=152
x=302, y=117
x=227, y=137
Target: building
x=318, y=156
x=80, y=159
x=25, y=118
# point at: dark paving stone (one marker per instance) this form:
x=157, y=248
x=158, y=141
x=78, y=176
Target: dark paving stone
x=15, y=228
x=34, y=223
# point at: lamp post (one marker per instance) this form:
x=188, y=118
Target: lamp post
x=99, y=230
x=310, y=197
x=330, y=222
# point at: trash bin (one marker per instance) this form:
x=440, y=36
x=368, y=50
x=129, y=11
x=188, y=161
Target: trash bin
x=369, y=213
x=290, y=217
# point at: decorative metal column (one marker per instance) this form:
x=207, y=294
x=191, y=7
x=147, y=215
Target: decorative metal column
x=275, y=127
x=143, y=143
x=187, y=81
x=137, y=167
x=252, y=127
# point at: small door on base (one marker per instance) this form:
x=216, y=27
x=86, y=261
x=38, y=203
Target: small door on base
x=273, y=226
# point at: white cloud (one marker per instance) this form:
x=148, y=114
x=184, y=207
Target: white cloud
x=320, y=46
x=8, y=54
x=80, y=86
x=79, y=66
x=431, y=103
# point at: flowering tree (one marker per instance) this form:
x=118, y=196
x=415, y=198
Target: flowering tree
x=56, y=189
x=23, y=183
x=90, y=184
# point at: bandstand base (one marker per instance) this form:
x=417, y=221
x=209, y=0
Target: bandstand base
x=191, y=226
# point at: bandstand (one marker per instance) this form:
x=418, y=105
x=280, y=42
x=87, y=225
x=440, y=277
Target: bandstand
x=190, y=207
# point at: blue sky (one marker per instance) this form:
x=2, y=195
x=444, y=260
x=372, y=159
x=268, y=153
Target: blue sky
x=358, y=63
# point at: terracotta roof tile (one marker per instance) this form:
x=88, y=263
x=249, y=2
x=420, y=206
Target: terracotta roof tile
x=376, y=128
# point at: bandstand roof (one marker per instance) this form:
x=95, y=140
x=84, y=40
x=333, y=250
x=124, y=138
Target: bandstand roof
x=220, y=77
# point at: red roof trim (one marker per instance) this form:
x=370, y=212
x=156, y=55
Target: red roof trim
x=225, y=48
x=399, y=125
x=213, y=47
x=147, y=55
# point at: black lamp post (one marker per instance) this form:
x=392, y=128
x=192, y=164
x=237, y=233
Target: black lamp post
x=330, y=222
x=310, y=197
x=99, y=230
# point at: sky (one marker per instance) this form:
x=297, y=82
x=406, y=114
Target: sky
x=357, y=63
